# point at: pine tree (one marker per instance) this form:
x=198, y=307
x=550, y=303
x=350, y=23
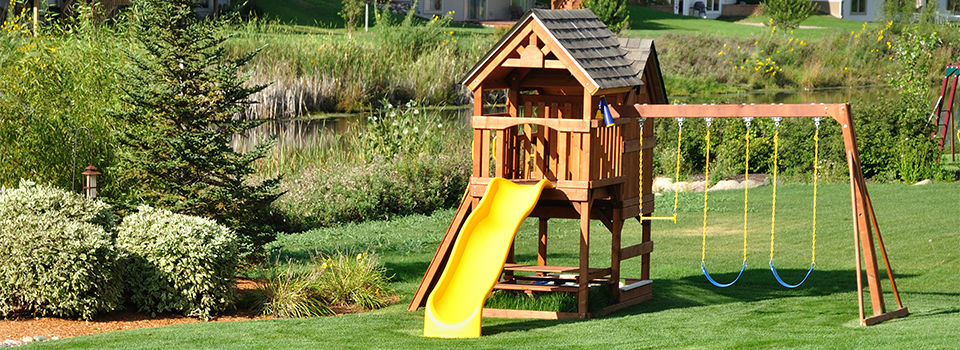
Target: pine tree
x=184, y=95
x=613, y=13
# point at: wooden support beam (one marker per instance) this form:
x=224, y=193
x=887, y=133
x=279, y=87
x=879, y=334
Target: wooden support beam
x=636, y=250
x=583, y=294
x=439, y=261
x=543, y=315
x=542, y=242
x=495, y=123
x=615, y=253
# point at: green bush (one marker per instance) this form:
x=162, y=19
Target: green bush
x=57, y=256
x=347, y=192
x=787, y=13
x=177, y=263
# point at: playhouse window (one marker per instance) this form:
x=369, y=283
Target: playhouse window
x=858, y=6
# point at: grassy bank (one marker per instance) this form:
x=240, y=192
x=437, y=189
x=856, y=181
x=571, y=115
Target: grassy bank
x=685, y=312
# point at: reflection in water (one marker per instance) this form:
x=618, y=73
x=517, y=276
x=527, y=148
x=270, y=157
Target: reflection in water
x=299, y=134
x=296, y=134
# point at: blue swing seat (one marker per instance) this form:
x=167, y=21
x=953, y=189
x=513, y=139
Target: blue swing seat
x=703, y=267
x=785, y=284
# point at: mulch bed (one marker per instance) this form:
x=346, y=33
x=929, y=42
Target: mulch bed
x=17, y=329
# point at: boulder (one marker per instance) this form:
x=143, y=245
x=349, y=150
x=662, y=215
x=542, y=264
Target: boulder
x=726, y=185
x=661, y=184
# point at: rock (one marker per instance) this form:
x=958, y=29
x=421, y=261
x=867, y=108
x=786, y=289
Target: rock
x=751, y=183
x=726, y=185
x=923, y=182
x=697, y=186
x=40, y=338
x=682, y=186
x=54, y=338
x=27, y=339
x=661, y=184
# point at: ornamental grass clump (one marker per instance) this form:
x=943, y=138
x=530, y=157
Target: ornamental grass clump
x=177, y=263
x=289, y=292
x=57, y=256
x=353, y=280
x=328, y=285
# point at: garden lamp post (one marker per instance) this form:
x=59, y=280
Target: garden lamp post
x=90, y=182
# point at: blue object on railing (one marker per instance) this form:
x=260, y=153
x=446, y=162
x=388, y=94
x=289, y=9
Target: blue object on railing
x=605, y=109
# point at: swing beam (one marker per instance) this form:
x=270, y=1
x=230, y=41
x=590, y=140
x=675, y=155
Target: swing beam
x=865, y=226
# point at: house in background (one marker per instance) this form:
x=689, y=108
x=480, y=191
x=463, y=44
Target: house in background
x=872, y=10
x=474, y=10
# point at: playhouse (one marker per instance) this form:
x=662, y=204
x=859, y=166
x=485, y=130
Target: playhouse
x=555, y=66
x=548, y=156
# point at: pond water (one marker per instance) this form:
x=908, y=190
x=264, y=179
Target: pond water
x=320, y=129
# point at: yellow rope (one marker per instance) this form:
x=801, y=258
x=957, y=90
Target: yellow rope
x=703, y=241
x=676, y=178
x=746, y=186
x=773, y=214
x=816, y=163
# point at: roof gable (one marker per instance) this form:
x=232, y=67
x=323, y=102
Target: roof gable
x=578, y=40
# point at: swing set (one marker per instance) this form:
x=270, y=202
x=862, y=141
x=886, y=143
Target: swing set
x=865, y=226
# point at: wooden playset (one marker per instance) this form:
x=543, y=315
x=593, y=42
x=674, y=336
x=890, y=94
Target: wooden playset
x=943, y=110
x=556, y=66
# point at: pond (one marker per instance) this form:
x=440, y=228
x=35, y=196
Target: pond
x=320, y=129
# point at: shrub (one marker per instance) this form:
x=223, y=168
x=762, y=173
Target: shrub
x=787, y=13
x=613, y=13
x=57, y=258
x=177, y=263
x=347, y=192
x=33, y=199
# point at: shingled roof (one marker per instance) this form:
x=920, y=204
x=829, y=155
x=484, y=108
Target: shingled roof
x=588, y=42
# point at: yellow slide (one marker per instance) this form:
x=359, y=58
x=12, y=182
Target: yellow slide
x=477, y=258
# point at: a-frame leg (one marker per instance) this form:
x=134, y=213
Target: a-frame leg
x=865, y=220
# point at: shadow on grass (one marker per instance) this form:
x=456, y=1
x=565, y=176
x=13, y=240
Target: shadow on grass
x=754, y=285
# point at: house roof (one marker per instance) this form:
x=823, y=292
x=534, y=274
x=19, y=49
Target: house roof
x=593, y=48
x=640, y=51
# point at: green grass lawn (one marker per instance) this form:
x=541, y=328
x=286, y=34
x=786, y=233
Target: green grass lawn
x=649, y=23
x=919, y=224
x=323, y=13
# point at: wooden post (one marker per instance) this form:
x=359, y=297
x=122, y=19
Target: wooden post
x=542, y=243
x=36, y=16
x=615, y=246
x=583, y=292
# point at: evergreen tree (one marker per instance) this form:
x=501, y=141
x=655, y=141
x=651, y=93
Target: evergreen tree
x=613, y=13
x=184, y=95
